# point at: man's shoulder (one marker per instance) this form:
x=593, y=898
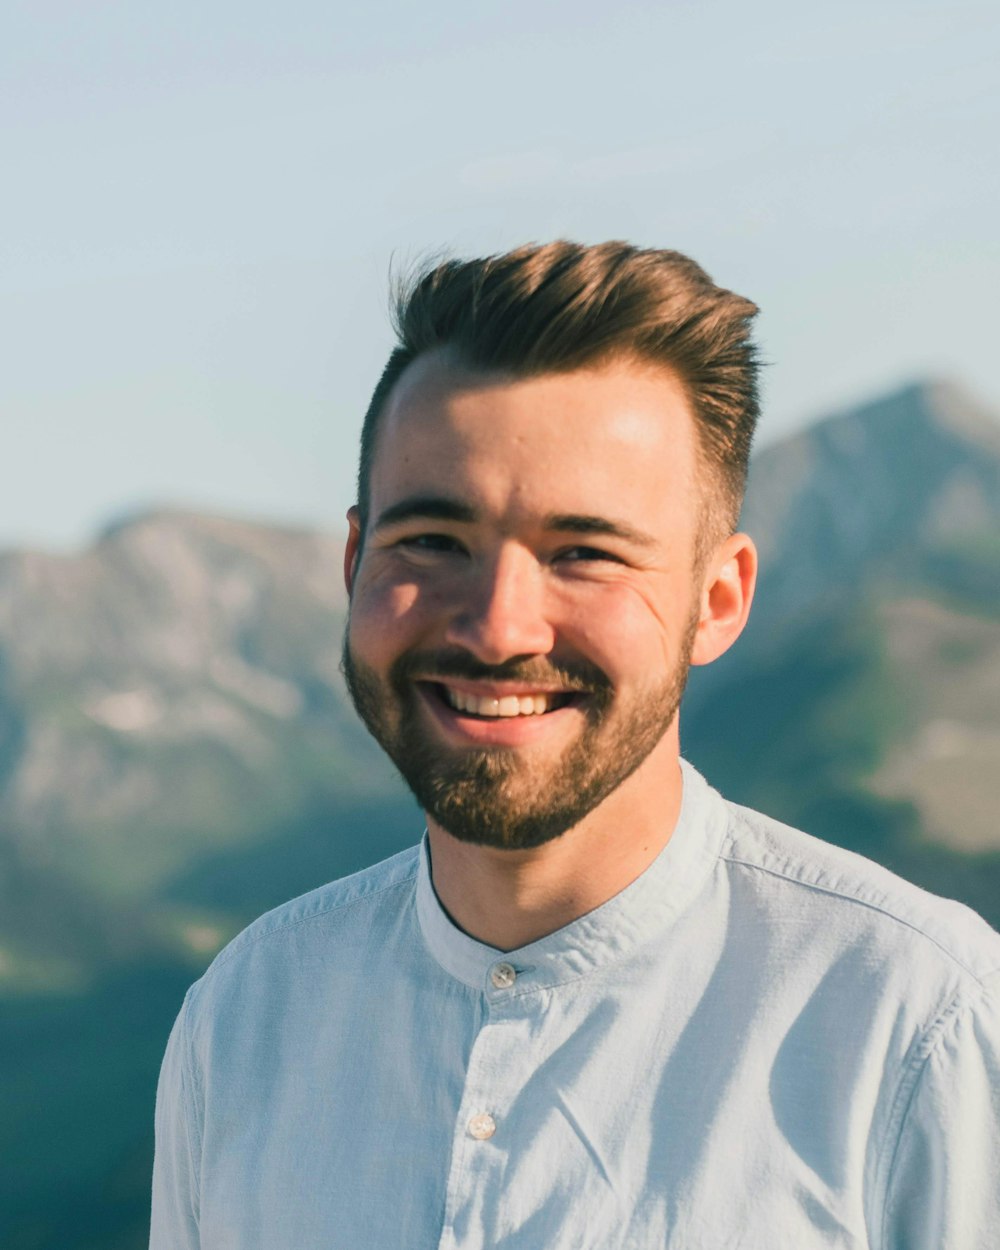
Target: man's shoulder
x=832, y=885
x=329, y=911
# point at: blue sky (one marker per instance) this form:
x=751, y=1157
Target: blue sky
x=202, y=202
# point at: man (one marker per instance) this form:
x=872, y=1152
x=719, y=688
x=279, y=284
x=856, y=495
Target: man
x=598, y=1006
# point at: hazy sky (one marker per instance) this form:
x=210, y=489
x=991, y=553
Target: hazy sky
x=202, y=200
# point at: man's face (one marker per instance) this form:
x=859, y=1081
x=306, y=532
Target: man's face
x=525, y=599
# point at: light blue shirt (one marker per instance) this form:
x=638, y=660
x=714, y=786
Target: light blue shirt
x=763, y=1043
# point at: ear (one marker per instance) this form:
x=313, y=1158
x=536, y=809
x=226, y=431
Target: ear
x=352, y=550
x=726, y=594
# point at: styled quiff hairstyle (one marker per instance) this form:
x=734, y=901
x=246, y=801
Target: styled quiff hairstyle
x=561, y=306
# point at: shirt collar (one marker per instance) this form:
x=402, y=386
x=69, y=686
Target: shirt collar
x=609, y=933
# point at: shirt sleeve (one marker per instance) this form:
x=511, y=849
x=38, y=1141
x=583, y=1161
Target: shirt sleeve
x=944, y=1186
x=174, y=1224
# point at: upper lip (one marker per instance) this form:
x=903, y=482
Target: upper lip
x=500, y=689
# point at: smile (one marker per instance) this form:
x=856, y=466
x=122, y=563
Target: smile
x=505, y=706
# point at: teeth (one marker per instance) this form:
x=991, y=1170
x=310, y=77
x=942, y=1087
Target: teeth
x=509, y=705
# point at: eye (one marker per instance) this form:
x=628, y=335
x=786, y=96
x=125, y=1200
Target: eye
x=431, y=544
x=587, y=555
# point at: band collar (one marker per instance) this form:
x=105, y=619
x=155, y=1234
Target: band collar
x=609, y=933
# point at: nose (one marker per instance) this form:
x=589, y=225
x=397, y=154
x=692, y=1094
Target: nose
x=502, y=614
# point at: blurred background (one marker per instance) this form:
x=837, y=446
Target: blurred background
x=201, y=208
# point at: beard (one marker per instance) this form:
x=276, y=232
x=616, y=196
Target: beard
x=500, y=797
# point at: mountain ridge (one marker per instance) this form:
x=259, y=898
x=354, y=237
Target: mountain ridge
x=177, y=755
x=833, y=505
x=176, y=685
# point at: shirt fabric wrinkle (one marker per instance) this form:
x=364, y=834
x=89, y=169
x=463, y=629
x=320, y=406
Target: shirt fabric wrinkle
x=618, y=1092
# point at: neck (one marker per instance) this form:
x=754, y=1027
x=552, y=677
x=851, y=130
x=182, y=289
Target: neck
x=507, y=899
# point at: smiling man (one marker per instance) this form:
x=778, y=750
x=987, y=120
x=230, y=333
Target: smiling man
x=598, y=1006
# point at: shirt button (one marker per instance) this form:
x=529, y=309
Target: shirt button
x=503, y=976
x=482, y=1127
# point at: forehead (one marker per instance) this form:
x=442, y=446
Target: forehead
x=618, y=413
x=615, y=443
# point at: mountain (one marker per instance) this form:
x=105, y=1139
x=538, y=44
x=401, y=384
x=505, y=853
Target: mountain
x=177, y=754
x=173, y=689
x=901, y=493
x=170, y=697
x=869, y=674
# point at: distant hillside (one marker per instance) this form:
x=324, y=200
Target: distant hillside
x=901, y=493
x=173, y=689
x=170, y=698
x=870, y=670
x=177, y=754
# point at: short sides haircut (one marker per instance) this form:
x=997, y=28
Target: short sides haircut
x=557, y=307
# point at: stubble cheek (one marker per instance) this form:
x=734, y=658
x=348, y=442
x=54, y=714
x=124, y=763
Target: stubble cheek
x=621, y=624
x=394, y=597
x=659, y=618
x=382, y=613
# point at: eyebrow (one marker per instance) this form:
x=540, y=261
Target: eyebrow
x=575, y=523
x=441, y=508
x=425, y=507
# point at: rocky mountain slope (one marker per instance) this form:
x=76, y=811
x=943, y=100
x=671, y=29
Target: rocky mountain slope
x=171, y=689
x=901, y=493
x=177, y=755
x=172, y=693
x=871, y=665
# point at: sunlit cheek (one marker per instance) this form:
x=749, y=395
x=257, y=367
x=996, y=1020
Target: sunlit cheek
x=599, y=620
x=388, y=613
x=622, y=629
x=384, y=604
x=401, y=601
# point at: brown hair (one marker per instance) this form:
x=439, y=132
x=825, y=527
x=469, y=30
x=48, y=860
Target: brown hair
x=560, y=306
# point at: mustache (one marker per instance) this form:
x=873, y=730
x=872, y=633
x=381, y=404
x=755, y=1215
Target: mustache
x=577, y=675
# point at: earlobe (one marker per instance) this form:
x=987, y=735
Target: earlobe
x=352, y=550
x=727, y=592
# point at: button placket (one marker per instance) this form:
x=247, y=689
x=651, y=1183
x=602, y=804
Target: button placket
x=498, y=1067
